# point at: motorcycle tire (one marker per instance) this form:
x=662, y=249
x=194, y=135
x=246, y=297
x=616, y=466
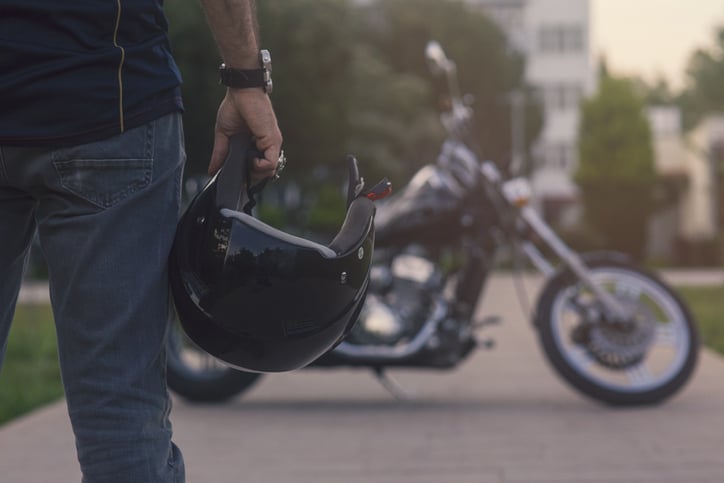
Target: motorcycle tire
x=643, y=364
x=198, y=377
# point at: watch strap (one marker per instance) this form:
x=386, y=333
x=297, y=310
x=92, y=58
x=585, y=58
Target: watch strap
x=242, y=78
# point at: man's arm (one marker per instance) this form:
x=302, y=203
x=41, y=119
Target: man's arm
x=234, y=27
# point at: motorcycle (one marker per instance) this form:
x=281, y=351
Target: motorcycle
x=611, y=329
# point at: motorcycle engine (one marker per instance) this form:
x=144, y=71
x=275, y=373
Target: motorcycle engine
x=399, y=301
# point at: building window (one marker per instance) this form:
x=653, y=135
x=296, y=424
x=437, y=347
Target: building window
x=509, y=17
x=560, y=39
x=560, y=96
x=558, y=156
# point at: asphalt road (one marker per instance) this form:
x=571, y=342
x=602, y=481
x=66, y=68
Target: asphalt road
x=501, y=417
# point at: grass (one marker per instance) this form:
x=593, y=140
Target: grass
x=707, y=305
x=30, y=376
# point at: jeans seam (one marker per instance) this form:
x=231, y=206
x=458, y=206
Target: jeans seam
x=3, y=169
x=150, y=153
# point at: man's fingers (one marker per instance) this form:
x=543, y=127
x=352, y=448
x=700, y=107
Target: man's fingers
x=260, y=168
x=263, y=165
x=266, y=166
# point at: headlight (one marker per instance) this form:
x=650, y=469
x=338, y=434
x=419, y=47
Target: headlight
x=517, y=191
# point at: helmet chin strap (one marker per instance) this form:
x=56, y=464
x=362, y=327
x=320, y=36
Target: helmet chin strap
x=234, y=174
x=232, y=185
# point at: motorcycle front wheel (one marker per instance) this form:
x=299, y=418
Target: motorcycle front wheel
x=641, y=359
x=197, y=376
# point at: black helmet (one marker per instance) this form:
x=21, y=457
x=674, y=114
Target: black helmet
x=255, y=297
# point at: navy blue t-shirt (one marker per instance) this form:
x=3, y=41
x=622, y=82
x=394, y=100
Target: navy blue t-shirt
x=75, y=71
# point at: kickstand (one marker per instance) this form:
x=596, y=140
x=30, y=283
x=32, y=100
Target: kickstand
x=392, y=386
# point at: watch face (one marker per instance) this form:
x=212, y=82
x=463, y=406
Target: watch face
x=248, y=78
x=266, y=59
x=267, y=65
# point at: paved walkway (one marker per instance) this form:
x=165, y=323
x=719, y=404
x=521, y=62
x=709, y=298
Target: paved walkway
x=502, y=417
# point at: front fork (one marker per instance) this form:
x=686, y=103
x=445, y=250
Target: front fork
x=569, y=258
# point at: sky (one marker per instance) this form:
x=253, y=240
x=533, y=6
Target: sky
x=653, y=38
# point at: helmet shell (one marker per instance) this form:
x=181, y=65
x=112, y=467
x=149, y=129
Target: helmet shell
x=260, y=299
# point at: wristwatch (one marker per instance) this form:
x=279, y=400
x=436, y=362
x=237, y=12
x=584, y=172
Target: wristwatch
x=248, y=78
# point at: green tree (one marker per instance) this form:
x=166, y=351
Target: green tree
x=393, y=129
x=311, y=43
x=704, y=93
x=335, y=95
x=658, y=92
x=489, y=70
x=616, y=173
x=352, y=78
x=198, y=60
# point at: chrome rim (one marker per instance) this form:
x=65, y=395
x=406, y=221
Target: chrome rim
x=666, y=351
x=184, y=353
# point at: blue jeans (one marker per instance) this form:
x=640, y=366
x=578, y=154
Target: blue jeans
x=105, y=213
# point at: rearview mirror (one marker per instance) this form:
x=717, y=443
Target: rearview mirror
x=436, y=58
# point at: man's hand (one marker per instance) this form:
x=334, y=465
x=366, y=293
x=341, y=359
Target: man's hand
x=233, y=24
x=247, y=110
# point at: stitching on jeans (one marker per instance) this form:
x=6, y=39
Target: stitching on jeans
x=150, y=136
x=3, y=168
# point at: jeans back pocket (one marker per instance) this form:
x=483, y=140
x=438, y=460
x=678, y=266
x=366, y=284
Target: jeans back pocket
x=104, y=182
x=106, y=172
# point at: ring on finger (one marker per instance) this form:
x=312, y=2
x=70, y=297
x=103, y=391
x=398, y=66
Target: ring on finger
x=281, y=164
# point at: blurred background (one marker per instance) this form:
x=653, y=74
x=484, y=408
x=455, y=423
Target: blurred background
x=613, y=108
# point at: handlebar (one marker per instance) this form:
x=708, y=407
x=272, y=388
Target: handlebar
x=457, y=119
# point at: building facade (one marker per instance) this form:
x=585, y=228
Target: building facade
x=686, y=228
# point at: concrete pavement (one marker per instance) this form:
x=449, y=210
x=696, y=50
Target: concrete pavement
x=502, y=417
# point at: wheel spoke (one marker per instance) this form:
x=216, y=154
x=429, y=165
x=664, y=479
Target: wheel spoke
x=627, y=290
x=665, y=335
x=639, y=374
x=581, y=358
x=576, y=306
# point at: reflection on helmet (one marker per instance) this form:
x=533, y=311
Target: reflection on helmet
x=261, y=299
